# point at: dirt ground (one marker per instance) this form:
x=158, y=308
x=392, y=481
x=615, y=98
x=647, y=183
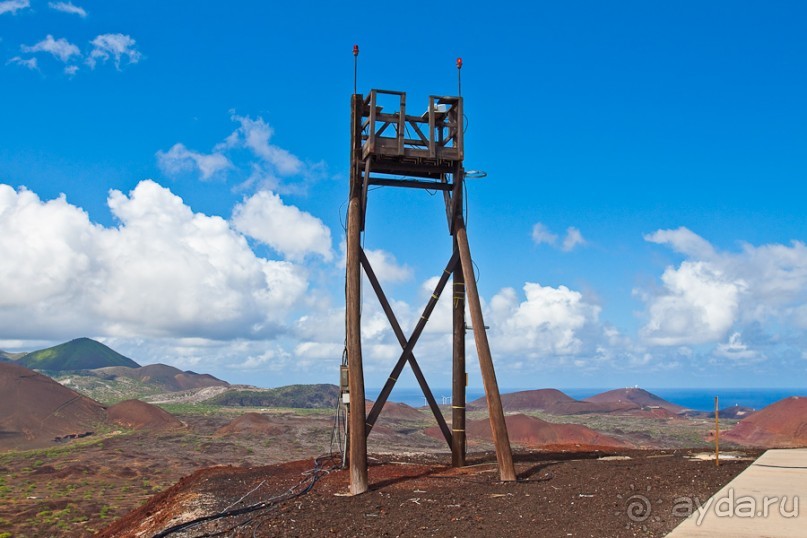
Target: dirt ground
x=583, y=494
x=78, y=488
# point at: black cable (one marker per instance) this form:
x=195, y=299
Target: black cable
x=465, y=206
x=465, y=201
x=342, y=221
x=317, y=473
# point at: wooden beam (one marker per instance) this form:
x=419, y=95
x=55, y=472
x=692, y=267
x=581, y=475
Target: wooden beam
x=432, y=149
x=365, y=183
x=457, y=198
x=449, y=218
x=408, y=346
x=459, y=377
x=370, y=146
x=460, y=140
x=424, y=141
x=427, y=169
x=497, y=425
x=411, y=184
x=357, y=419
x=402, y=123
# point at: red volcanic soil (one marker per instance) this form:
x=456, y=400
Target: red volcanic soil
x=536, y=433
x=557, y=494
x=139, y=415
x=251, y=423
x=634, y=397
x=780, y=425
x=398, y=411
x=36, y=410
x=549, y=400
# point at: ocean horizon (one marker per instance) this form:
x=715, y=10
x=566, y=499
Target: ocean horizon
x=701, y=399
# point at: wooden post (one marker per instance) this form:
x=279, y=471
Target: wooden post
x=497, y=425
x=459, y=375
x=356, y=424
x=717, y=433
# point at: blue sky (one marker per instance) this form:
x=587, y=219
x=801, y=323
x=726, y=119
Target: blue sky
x=173, y=174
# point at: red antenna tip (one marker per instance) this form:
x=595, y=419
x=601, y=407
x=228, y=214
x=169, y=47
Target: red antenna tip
x=459, y=63
x=355, y=50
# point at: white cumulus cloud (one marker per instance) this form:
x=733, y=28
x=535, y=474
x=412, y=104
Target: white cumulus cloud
x=13, y=6
x=573, y=239
x=28, y=63
x=684, y=241
x=712, y=293
x=386, y=267
x=116, y=47
x=255, y=135
x=164, y=271
x=180, y=159
x=248, y=151
x=736, y=350
x=47, y=249
x=699, y=304
x=548, y=322
x=59, y=48
x=68, y=7
x=542, y=235
x=290, y=231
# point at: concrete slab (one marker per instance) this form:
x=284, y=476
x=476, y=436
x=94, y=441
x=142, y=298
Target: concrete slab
x=767, y=500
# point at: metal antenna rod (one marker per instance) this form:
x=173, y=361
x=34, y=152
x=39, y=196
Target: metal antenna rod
x=355, y=66
x=459, y=77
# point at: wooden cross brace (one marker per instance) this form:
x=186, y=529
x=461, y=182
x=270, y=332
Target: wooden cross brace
x=408, y=345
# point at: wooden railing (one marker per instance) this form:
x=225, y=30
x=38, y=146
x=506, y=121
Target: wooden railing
x=436, y=134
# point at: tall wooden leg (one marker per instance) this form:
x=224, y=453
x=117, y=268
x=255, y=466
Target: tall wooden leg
x=356, y=425
x=357, y=439
x=497, y=424
x=459, y=376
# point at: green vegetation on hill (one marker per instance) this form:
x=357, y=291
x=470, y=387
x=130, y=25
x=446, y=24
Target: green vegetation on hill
x=296, y=396
x=78, y=354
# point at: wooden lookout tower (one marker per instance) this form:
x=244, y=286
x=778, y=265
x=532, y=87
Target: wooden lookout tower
x=396, y=149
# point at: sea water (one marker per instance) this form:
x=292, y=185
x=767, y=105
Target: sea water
x=697, y=399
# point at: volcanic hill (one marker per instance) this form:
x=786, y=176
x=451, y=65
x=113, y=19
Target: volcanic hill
x=551, y=401
x=533, y=432
x=629, y=398
x=36, y=409
x=322, y=396
x=780, y=425
x=78, y=354
x=162, y=376
x=138, y=415
x=397, y=411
